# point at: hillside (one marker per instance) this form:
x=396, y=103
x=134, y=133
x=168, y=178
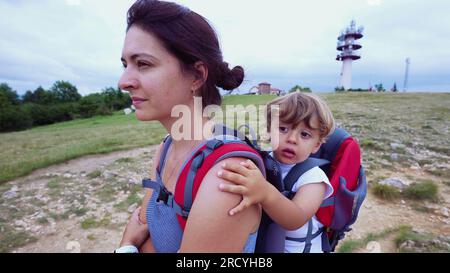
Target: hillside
x=83, y=204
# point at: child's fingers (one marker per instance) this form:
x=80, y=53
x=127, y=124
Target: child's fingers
x=249, y=164
x=232, y=177
x=242, y=206
x=241, y=190
x=234, y=167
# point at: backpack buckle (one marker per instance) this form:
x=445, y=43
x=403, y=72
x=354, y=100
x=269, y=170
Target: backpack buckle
x=163, y=195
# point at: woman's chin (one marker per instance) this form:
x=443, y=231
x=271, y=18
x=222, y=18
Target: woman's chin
x=142, y=116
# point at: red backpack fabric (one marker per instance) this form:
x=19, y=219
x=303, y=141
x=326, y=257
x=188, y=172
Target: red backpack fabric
x=222, y=151
x=346, y=164
x=340, y=159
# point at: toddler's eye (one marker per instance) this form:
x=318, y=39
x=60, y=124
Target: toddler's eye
x=283, y=129
x=305, y=134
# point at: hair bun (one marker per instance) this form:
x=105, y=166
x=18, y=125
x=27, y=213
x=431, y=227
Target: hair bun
x=230, y=79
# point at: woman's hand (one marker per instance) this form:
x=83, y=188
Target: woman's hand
x=250, y=183
x=136, y=232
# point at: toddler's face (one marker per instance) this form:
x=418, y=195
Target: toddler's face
x=294, y=145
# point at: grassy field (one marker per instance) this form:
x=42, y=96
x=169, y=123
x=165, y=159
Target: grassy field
x=401, y=135
x=419, y=122
x=23, y=152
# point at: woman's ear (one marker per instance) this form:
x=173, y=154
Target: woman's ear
x=200, y=75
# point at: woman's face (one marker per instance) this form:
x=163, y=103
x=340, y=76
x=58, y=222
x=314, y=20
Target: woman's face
x=153, y=76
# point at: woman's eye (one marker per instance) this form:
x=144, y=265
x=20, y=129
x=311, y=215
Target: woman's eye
x=142, y=65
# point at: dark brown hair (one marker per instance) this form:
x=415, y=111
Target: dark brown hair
x=190, y=38
x=299, y=107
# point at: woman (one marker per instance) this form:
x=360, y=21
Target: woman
x=170, y=56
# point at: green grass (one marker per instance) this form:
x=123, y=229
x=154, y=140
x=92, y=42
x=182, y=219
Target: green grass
x=48, y=145
x=94, y=174
x=441, y=172
x=247, y=99
x=54, y=184
x=108, y=192
x=371, y=144
x=426, y=190
x=425, y=241
x=11, y=239
x=402, y=234
x=406, y=233
x=385, y=191
x=132, y=198
x=422, y=190
x=124, y=160
x=91, y=222
x=349, y=246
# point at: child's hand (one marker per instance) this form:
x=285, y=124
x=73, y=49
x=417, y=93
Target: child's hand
x=136, y=232
x=250, y=183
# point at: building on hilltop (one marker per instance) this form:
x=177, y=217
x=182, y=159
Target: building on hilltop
x=265, y=88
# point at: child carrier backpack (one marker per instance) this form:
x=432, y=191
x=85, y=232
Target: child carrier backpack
x=340, y=159
x=225, y=144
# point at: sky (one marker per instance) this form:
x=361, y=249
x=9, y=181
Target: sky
x=284, y=42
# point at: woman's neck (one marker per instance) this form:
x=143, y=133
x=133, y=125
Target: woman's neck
x=186, y=133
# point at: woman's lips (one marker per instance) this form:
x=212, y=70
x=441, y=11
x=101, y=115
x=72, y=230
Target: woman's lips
x=289, y=153
x=137, y=101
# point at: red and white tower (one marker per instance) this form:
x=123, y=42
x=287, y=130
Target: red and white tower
x=348, y=45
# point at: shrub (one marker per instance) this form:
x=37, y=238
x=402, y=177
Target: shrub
x=385, y=191
x=422, y=190
x=13, y=118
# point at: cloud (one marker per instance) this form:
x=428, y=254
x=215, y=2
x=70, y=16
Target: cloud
x=374, y=2
x=73, y=2
x=287, y=42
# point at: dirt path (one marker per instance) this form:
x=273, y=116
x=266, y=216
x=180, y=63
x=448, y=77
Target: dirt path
x=84, y=204
x=78, y=206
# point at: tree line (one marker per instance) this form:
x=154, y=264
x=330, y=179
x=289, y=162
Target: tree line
x=61, y=102
x=377, y=88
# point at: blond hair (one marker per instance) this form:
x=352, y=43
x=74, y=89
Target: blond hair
x=300, y=107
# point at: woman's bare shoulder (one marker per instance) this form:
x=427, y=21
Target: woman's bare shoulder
x=209, y=226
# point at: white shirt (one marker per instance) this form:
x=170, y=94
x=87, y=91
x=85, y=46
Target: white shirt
x=314, y=175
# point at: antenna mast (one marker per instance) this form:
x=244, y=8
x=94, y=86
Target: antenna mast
x=405, y=83
x=348, y=46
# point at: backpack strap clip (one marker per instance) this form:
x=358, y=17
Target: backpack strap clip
x=167, y=198
x=164, y=195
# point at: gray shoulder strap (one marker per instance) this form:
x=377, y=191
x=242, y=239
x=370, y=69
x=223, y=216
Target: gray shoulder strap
x=162, y=158
x=299, y=169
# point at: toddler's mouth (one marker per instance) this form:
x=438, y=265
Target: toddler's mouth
x=289, y=153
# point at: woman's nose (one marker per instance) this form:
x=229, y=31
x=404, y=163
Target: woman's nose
x=127, y=82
